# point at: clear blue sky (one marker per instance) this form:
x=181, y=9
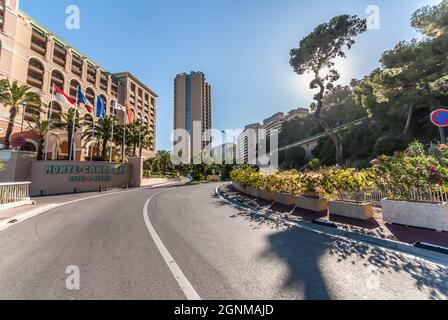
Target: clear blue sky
x=241, y=45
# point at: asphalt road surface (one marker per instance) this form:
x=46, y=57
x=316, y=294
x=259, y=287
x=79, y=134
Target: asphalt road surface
x=183, y=242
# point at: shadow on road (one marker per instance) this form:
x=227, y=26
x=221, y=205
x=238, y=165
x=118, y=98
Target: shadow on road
x=302, y=250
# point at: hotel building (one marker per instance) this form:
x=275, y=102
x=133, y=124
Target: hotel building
x=32, y=55
x=193, y=106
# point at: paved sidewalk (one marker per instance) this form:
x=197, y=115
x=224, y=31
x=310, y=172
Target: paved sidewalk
x=374, y=227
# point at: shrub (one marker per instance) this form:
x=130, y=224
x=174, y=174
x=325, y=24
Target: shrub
x=343, y=181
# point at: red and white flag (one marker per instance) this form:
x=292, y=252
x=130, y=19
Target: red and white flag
x=129, y=113
x=63, y=98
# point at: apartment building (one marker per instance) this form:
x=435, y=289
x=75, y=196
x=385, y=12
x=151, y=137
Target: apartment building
x=274, y=123
x=34, y=56
x=193, y=107
x=247, y=144
x=297, y=113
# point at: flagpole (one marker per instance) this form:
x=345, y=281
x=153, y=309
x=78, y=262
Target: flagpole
x=72, y=153
x=112, y=133
x=124, y=135
x=93, y=129
x=49, y=123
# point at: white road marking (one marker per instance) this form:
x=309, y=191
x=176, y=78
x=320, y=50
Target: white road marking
x=181, y=279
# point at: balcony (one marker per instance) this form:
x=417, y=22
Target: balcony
x=91, y=78
x=39, y=48
x=59, y=60
x=35, y=81
x=77, y=70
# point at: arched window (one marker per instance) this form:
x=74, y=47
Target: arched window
x=56, y=111
x=57, y=78
x=88, y=120
x=90, y=95
x=36, y=71
x=74, y=85
x=32, y=112
x=29, y=146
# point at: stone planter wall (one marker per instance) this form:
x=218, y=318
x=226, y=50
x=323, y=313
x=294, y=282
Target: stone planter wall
x=268, y=195
x=252, y=192
x=362, y=211
x=416, y=214
x=286, y=199
x=311, y=204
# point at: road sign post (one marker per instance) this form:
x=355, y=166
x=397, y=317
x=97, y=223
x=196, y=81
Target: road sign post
x=440, y=119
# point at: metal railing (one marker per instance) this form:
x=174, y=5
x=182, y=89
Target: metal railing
x=14, y=192
x=426, y=195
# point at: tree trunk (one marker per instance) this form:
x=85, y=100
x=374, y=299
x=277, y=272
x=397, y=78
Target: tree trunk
x=12, y=119
x=134, y=150
x=409, y=119
x=40, y=149
x=331, y=134
x=104, y=151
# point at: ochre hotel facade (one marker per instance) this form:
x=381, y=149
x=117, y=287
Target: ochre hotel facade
x=35, y=57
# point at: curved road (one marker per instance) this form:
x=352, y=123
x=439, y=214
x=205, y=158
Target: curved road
x=183, y=242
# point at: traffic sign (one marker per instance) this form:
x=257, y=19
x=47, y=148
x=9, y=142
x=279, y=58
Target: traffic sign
x=440, y=118
x=18, y=142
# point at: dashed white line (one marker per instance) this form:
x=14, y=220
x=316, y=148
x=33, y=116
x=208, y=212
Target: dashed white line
x=180, y=277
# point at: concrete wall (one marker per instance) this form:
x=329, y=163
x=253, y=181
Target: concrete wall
x=58, y=177
x=17, y=165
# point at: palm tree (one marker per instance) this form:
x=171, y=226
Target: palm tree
x=40, y=128
x=13, y=95
x=133, y=137
x=165, y=160
x=146, y=139
x=66, y=123
x=103, y=133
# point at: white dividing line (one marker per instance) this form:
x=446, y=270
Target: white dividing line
x=181, y=279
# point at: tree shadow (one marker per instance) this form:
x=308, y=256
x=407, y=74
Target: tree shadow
x=302, y=251
x=302, y=259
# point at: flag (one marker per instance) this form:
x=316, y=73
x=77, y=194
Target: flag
x=82, y=99
x=129, y=113
x=100, y=109
x=63, y=98
x=119, y=107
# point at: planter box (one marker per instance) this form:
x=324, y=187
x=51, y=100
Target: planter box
x=416, y=214
x=362, y=211
x=311, y=204
x=286, y=199
x=268, y=195
x=252, y=192
x=239, y=187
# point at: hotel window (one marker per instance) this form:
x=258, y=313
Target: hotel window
x=114, y=87
x=59, y=54
x=32, y=113
x=56, y=111
x=2, y=14
x=36, y=73
x=39, y=41
x=91, y=74
x=104, y=81
x=73, y=88
x=90, y=95
x=57, y=78
x=77, y=65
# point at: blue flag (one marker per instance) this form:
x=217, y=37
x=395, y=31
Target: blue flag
x=82, y=99
x=100, y=108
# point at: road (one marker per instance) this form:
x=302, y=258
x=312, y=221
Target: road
x=186, y=242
